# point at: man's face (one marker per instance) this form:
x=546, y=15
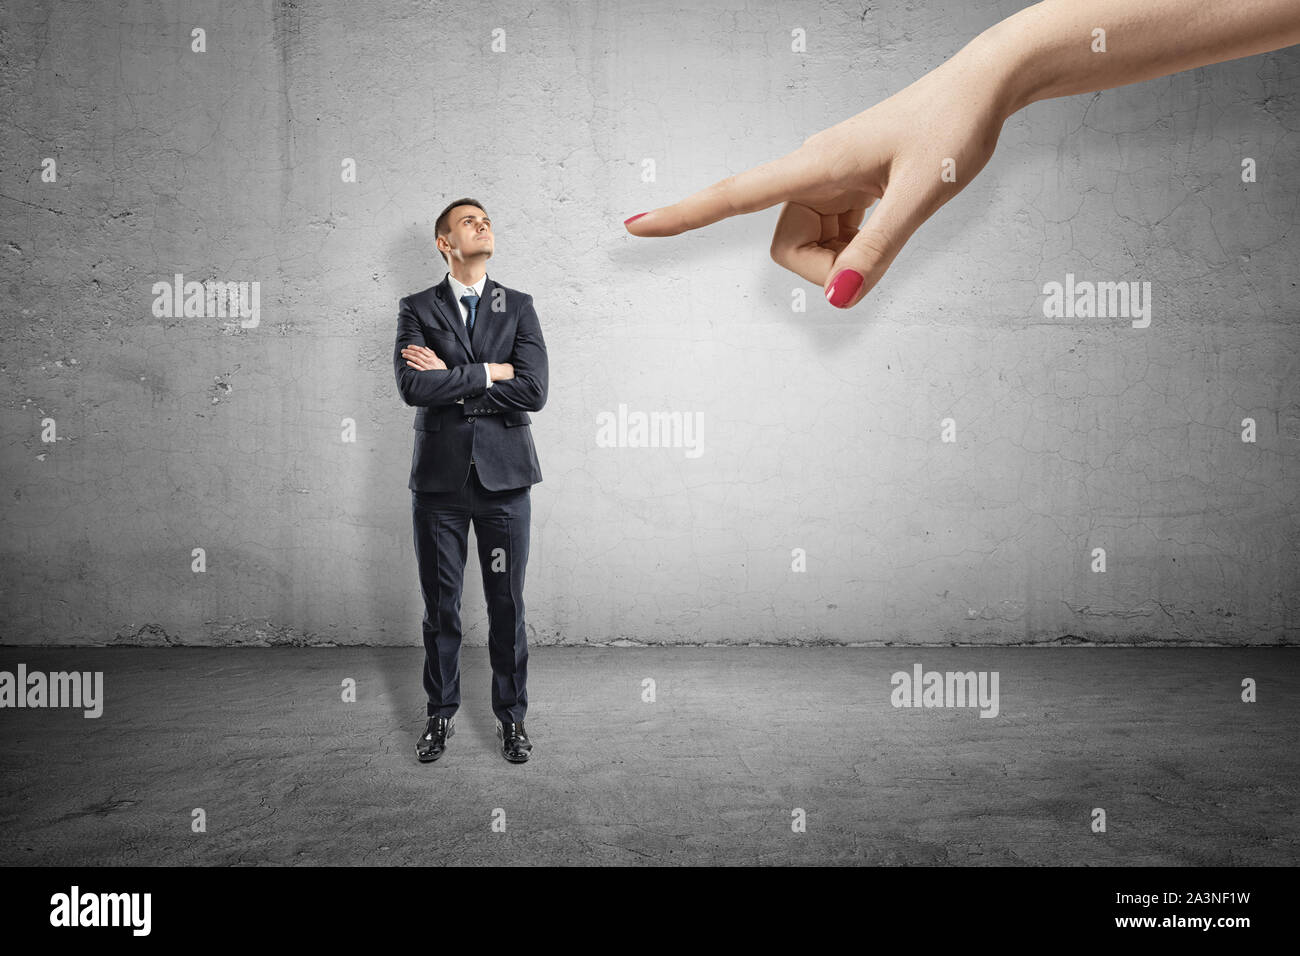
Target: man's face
x=470, y=234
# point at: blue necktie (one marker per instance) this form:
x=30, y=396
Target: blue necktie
x=471, y=303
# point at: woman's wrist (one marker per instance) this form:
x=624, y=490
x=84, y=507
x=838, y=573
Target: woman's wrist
x=1060, y=48
x=1003, y=56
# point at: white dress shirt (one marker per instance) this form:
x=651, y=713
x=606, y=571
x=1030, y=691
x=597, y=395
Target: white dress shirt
x=459, y=289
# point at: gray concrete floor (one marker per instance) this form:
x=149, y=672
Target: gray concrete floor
x=739, y=736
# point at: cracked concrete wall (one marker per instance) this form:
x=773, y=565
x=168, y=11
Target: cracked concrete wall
x=821, y=430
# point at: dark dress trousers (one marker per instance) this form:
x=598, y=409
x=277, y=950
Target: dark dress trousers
x=473, y=463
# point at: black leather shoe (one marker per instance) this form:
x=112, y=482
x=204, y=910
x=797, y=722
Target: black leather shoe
x=515, y=744
x=434, y=740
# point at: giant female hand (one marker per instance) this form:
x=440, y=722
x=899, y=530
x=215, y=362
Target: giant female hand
x=913, y=152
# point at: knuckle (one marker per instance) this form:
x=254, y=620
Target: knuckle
x=730, y=192
x=873, y=245
x=826, y=140
x=721, y=193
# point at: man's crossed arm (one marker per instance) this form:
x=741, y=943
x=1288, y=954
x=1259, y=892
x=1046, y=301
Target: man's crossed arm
x=423, y=378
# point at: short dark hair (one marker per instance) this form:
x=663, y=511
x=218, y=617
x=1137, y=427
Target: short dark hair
x=443, y=224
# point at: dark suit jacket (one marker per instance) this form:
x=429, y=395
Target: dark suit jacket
x=492, y=427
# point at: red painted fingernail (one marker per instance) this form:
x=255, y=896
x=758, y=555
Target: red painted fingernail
x=844, y=287
x=633, y=218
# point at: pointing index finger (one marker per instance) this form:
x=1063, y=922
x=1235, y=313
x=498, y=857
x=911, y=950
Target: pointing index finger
x=758, y=188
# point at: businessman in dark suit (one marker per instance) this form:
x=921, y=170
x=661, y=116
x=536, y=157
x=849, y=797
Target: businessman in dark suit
x=470, y=356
